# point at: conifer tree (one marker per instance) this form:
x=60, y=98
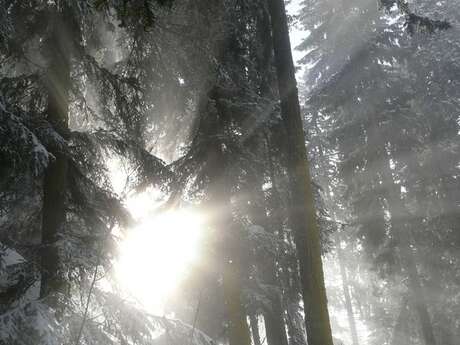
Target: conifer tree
x=302, y=208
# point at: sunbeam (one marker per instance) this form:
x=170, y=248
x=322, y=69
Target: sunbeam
x=156, y=254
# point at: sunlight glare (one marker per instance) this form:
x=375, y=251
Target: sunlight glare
x=156, y=254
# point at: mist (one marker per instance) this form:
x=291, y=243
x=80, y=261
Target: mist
x=232, y=172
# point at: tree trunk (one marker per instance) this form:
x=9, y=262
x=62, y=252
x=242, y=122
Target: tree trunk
x=54, y=190
x=254, y=321
x=294, y=324
x=346, y=292
x=274, y=324
x=302, y=209
x=293, y=320
x=273, y=318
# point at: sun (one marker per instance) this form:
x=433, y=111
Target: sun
x=156, y=255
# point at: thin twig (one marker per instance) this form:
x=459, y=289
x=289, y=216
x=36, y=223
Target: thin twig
x=195, y=318
x=93, y=282
x=85, y=315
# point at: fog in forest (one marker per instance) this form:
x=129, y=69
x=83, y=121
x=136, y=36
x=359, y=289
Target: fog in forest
x=229, y=172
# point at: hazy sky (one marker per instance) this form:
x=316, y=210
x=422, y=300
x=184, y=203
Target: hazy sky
x=297, y=35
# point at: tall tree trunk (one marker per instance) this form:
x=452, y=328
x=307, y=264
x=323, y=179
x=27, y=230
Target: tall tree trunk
x=274, y=323
x=275, y=329
x=294, y=324
x=54, y=193
x=273, y=318
x=295, y=335
x=346, y=292
x=303, y=216
x=254, y=321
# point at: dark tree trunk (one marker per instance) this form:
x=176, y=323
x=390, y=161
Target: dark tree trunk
x=57, y=82
x=302, y=209
x=294, y=324
x=274, y=323
x=254, y=321
x=273, y=318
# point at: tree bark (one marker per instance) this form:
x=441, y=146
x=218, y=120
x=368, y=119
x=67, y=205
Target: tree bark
x=302, y=209
x=295, y=329
x=273, y=318
x=274, y=323
x=57, y=81
x=254, y=321
x=294, y=324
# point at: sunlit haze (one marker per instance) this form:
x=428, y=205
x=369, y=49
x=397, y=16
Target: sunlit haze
x=156, y=254
x=238, y=172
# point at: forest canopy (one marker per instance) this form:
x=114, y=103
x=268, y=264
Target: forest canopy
x=238, y=172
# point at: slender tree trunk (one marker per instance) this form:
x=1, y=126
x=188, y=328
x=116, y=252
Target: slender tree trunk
x=273, y=318
x=303, y=215
x=346, y=292
x=274, y=324
x=274, y=321
x=254, y=321
x=294, y=324
x=54, y=191
x=295, y=331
